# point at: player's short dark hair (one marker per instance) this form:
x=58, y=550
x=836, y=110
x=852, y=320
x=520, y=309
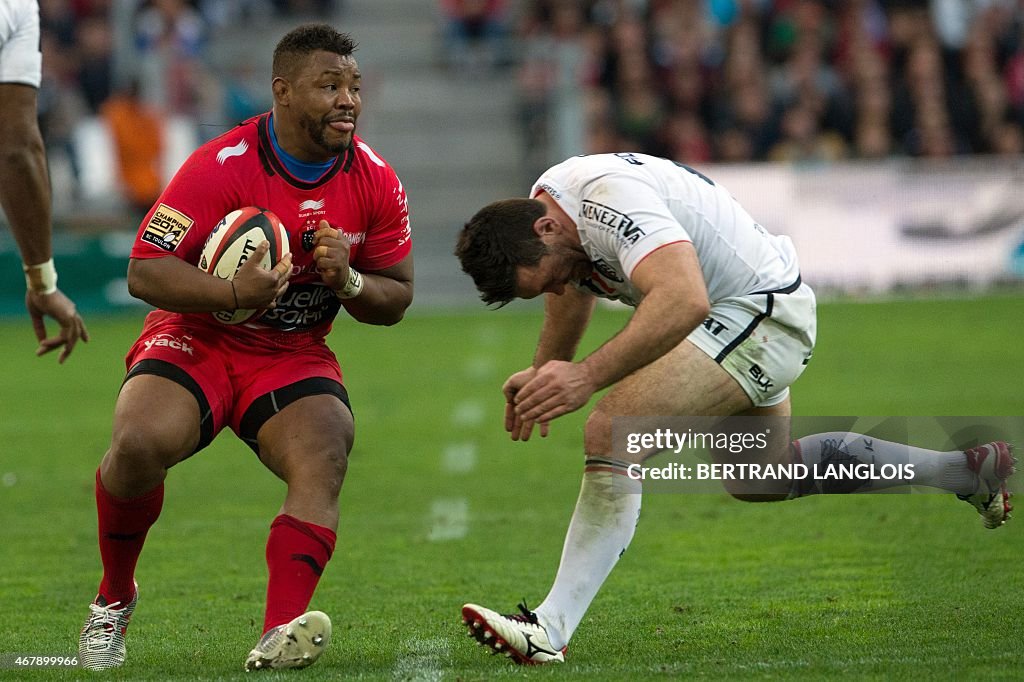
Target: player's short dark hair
x=495, y=241
x=303, y=40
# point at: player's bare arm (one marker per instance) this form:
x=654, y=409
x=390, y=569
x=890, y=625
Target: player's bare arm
x=172, y=284
x=675, y=302
x=566, y=317
x=377, y=297
x=25, y=196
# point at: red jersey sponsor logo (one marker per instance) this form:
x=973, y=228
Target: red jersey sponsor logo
x=168, y=341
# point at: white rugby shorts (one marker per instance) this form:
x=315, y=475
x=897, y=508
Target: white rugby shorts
x=762, y=340
x=20, y=58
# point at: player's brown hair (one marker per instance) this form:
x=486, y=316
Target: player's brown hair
x=303, y=40
x=495, y=241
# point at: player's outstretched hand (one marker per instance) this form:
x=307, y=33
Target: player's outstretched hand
x=258, y=288
x=61, y=308
x=331, y=251
x=518, y=428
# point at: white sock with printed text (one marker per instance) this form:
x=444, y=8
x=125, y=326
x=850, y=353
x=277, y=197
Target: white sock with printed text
x=909, y=465
x=601, y=529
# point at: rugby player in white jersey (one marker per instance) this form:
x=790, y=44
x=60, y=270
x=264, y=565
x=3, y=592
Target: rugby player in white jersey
x=24, y=179
x=722, y=326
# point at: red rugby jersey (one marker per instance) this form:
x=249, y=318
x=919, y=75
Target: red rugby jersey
x=360, y=195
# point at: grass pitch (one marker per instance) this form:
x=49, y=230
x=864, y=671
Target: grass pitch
x=440, y=508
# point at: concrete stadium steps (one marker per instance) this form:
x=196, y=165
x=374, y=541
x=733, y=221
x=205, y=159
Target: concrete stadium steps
x=451, y=137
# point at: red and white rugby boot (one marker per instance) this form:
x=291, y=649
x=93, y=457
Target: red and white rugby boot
x=101, y=643
x=519, y=636
x=993, y=463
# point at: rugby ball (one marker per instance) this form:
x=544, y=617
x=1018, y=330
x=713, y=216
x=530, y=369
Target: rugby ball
x=231, y=243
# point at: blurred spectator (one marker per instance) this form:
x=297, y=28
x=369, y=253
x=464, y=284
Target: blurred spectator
x=244, y=93
x=170, y=37
x=742, y=103
x=475, y=34
x=556, y=61
x=638, y=109
x=137, y=133
x=94, y=60
x=231, y=13
x=685, y=139
x=802, y=141
x=872, y=140
x=1008, y=138
x=57, y=19
x=311, y=8
x=59, y=107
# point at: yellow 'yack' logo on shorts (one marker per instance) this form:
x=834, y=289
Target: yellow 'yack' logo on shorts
x=167, y=228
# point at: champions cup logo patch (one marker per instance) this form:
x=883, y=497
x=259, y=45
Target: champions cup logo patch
x=605, y=218
x=167, y=228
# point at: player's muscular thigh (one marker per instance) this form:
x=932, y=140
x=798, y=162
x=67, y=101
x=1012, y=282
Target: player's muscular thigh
x=683, y=382
x=308, y=442
x=156, y=425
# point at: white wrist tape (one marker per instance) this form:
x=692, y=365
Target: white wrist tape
x=41, y=278
x=354, y=286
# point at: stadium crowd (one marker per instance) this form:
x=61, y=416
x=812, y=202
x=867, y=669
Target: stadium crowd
x=779, y=80
x=694, y=80
x=134, y=73
x=168, y=43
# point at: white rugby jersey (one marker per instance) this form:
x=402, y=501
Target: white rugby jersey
x=629, y=205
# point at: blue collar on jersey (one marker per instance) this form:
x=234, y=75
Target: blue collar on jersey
x=307, y=172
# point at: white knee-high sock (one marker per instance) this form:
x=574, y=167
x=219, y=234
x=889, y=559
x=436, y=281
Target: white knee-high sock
x=933, y=468
x=601, y=528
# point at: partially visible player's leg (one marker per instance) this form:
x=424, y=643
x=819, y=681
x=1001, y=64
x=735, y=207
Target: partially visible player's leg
x=776, y=334
x=685, y=381
x=947, y=470
x=144, y=447
x=129, y=497
x=306, y=443
x=976, y=475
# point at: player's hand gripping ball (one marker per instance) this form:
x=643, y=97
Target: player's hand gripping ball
x=231, y=243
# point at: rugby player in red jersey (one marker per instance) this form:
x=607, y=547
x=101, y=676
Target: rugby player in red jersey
x=272, y=380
